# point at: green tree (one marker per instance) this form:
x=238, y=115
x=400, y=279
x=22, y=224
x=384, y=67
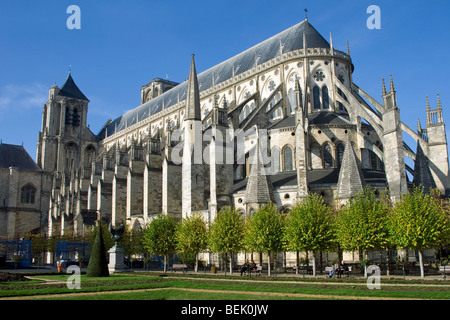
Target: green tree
x=131, y=243
x=192, y=236
x=309, y=226
x=98, y=265
x=264, y=232
x=159, y=236
x=39, y=246
x=362, y=224
x=227, y=232
x=419, y=222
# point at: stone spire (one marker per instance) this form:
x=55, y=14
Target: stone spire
x=422, y=174
x=193, y=95
x=351, y=179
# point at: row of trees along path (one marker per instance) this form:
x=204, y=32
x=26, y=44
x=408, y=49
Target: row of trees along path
x=367, y=222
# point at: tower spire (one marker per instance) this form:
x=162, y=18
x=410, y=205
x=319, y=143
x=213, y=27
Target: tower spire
x=348, y=48
x=384, y=88
x=392, y=84
x=193, y=94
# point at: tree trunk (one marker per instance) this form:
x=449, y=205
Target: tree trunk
x=298, y=262
x=366, y=256
x=165, y=263
x=196, y=263
x=268, y=263
x=422, y=273
x=314, y=263
x=231, y=263
x=387, y=262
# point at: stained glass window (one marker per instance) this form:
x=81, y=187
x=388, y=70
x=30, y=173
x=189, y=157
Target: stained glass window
x=288, y=159
x=316, y=94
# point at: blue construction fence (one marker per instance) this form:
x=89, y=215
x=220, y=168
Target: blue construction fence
x=73, y=252
x=15, y=254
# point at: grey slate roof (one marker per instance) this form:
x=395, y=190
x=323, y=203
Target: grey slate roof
x=328, y=118
x=351, y=179
x=69, y=89
x=288, y=40
x=16, y=156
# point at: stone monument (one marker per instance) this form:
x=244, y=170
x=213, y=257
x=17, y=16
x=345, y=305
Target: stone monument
x=116, y=253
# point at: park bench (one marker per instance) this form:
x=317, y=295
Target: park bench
x=178, y=266
x=258, y=270
x=346, y=271
x=444, y=269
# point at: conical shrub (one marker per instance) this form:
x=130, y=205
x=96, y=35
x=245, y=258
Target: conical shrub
x=98, y=264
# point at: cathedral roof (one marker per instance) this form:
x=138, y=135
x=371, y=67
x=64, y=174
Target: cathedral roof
x=16, y=156
x=70, y=90
x=289, y=40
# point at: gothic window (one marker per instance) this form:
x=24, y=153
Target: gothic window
x=75, y=118
x=287, y=159
x=89, y=156
x=68, y=116
x=316, y=94
x=340, y=153
x=327, y=156
x=325, y=98
x=292, y=100
x=341, y=78
x=27, y=194
x=319, y=76
x=373, y=160
x=275, y=157
x=272, y=85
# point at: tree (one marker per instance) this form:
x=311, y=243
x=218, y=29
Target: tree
x=362, y=224
x=418, y=222
x=227, y=232
x=265, y=231
x=192, y=236
x=308, y=226
x=159, y=236
x=98, y=265
x=131, y=242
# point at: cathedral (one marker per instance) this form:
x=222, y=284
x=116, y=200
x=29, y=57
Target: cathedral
x=272, y=124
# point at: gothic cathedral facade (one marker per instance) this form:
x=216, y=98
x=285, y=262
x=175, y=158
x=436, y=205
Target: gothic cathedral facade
x=271, y=124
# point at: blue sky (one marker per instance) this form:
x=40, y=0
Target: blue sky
x=123, y=45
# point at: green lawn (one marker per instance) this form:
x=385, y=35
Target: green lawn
x=174, y=286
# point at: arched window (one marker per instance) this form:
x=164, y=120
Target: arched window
x=327, y=156
x=325, y=98
x=292, y=101
x=316, y=94
x=340, y=153
x=275, y=157
x=27, y=194
x=287, y=159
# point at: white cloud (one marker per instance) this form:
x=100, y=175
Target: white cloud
x=22, y=97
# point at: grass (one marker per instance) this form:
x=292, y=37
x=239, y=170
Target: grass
x=174, y=287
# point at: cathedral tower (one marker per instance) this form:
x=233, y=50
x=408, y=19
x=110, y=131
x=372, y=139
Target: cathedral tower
x=193, y=183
